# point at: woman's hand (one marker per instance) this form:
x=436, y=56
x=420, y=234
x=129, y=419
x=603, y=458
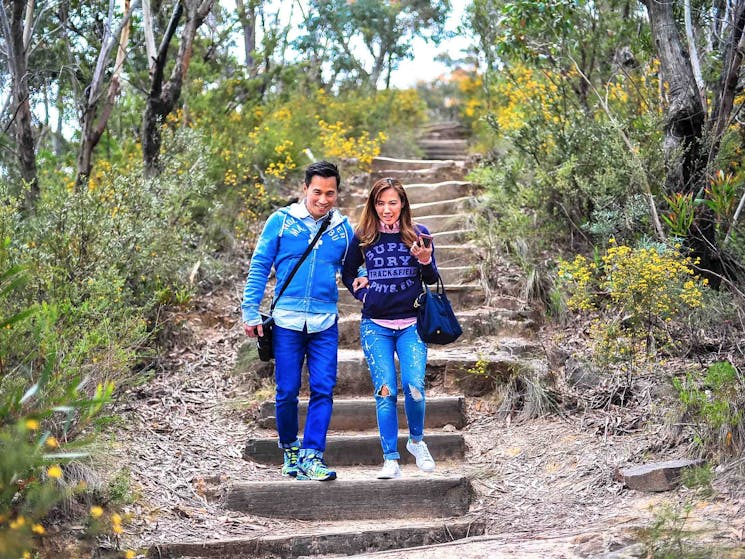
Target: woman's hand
x=359, y=283
x=421, y=253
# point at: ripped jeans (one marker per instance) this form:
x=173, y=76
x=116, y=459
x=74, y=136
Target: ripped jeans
x=379, y=344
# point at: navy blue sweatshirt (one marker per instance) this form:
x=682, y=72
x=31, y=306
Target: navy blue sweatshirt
x=392, y=273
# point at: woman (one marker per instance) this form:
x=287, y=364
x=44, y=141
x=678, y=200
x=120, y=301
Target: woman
x=398, y=255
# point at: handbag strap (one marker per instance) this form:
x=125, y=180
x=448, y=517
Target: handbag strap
x=439, y=284
x=439, y=288
x=321, y=229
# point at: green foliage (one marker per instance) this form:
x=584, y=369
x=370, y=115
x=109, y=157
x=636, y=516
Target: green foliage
x=37, y=426
x=699, y=479
x=714, y=401
x=666, y=537
x=680, y=217
x=384, y=31
x=257, y=152
x=120, y=488
x=102, y=261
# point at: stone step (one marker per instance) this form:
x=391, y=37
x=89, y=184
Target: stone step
x=452, y=170
x=358, y=450
x=441, y=223
x=428, y=497
x=450, y=129
x=456, y=254
x=385, y=164
x=454, y=236
x=379, y=535
x=446, y=154
x=455, y=144
x=489, y=321
x=459, y=275
x=438, y=208
x=359, y=414
x=451, y=368
x=437, y=192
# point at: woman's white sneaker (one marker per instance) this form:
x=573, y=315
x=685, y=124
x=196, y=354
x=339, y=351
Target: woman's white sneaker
x=390, y=470
x=423, y=458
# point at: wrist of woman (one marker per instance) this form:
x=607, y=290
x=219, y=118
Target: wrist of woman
x=428, y=261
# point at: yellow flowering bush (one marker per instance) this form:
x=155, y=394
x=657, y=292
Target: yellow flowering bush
x=643, y=287
x=338, y=143
x=650, y=283
x=647, y=283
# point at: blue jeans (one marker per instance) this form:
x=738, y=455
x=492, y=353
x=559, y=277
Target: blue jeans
x=291, y=348
x=379, y=345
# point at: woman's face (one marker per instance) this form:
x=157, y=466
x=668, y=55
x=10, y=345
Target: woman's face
x=388, y=206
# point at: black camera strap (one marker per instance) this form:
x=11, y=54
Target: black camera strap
x=321, y=229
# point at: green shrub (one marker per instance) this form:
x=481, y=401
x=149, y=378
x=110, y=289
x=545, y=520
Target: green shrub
x=38, y=421
x=713, y=403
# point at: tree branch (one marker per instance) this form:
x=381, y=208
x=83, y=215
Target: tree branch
x=635, y=158
x=693, y=54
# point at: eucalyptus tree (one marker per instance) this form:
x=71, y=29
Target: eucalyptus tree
x=247, y=15
x=17, y=29
x=701, y=51
x=363, y=41
x=164, y=94
x=95, y=104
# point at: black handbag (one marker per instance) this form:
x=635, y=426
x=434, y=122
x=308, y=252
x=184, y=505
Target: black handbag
x=435, y=320
x=264, y=343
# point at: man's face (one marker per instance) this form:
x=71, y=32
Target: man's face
x=320, y=195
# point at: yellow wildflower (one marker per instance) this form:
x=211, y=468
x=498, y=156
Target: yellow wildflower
x=32, y=424
x=116, y=523
x=54, y=472
x=96, y=511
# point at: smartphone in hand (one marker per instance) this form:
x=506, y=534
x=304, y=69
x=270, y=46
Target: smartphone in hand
x=425, y=240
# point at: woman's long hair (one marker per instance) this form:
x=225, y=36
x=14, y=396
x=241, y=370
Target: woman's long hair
x=367, y=230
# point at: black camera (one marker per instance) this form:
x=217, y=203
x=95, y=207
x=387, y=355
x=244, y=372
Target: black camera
x=264, y=343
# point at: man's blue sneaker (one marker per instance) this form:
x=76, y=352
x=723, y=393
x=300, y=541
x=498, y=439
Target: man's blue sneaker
x=289, y=468
x=313, y=467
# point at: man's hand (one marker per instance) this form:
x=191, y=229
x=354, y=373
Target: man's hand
x=254, y=331
x=359, y=283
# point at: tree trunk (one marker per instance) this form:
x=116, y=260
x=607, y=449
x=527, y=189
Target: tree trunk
x=684, y=145
x=94, y=121
x=247, y=16
x=684, y=123
x=15, y=29
x=162, y=98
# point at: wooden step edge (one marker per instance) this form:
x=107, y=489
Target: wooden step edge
x=358, y=414
x=340, y=542
x=363, y=450
x=425, y=497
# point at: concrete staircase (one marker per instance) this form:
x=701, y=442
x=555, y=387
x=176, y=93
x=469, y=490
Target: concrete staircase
x=359, y=513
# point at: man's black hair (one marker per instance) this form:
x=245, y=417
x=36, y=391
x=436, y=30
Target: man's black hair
x=324, y=169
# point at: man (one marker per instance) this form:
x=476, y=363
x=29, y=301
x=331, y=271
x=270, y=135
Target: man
x=305, y=316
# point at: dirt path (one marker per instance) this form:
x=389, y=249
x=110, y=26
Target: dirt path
x=545, y=488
